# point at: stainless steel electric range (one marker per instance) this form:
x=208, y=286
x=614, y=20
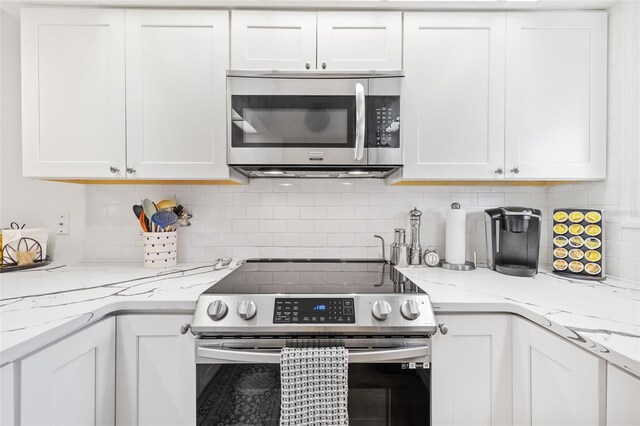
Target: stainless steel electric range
x=243, y=321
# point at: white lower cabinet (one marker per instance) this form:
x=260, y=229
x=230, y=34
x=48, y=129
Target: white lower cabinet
x=623, y=398
x=7, y=394
x=554, y=381
x=471, y=374
x=156, y=378
x=71, y=382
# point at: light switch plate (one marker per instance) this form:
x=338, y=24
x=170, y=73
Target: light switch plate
x=63, y=224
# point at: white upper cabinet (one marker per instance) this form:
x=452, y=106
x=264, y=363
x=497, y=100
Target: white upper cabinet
x=556, y=95
x=273, y=40
x=453, y=108
x=73, y=93
x=73, y=381
x=176, y=83
x=554, y=381
x=359, y=41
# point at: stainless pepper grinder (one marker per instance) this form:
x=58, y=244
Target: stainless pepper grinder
x=415, y=250
x=399, y=249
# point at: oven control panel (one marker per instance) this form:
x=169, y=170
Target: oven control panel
x=314, y=310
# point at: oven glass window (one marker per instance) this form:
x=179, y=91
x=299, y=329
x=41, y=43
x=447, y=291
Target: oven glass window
x=293, y=121
x=249, y=394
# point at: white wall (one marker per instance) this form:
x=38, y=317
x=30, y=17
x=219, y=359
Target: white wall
x=36, y=203
x=622, y=243
x=296, y=218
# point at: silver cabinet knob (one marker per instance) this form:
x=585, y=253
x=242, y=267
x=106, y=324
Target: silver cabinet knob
x=114, y=169
x=131, y=170
x=499, y=170
x=381, y=310
x=217, y=310
x=307, y=65
x=443, y=328
x=410, y=310
x=184, y=328
x=247, y=309
x=324, y=65
x=515, y=170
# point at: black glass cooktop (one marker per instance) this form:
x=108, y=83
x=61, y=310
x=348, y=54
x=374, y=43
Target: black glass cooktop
x=314, y=276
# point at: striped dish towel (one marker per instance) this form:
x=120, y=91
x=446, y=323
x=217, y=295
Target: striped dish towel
x=314, y=385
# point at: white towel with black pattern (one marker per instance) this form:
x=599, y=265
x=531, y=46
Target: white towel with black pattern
x=315, y=386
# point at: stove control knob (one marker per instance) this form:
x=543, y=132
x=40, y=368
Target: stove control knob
x=217, y=310
x=381, y=310
x=247, y=309
x=410, y=310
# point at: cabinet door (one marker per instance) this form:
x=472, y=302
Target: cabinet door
x=471, y=374
x=273, y=40
x=156, y=374
x=176, y=80
x=623, y=396
x=73, y=381
x=360, y=40
x=554, y=381
x=7, y=395
x=73, y=103
x=556, y=95
x=453, y=111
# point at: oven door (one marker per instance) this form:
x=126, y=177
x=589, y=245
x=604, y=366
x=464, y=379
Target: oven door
x=239, y=381
x=289, y=121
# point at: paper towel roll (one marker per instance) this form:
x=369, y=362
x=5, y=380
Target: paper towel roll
x=456, y=229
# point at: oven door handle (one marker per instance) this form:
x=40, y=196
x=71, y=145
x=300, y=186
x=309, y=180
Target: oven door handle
x=360, y=122
x=259, y=357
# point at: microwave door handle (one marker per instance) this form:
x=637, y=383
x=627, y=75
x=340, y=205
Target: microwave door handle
x=360, y=121
x=273, y=357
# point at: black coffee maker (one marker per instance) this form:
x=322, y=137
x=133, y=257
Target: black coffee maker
x=513, y=240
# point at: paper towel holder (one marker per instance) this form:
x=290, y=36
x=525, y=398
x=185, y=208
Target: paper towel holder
x=466, y=266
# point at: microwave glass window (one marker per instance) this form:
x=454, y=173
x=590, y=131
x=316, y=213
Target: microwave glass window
x=293, y=121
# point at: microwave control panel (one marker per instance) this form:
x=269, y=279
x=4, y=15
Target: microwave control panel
x=383, y=121
x=314, y=310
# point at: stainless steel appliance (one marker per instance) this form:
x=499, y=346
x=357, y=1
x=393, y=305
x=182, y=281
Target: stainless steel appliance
x=513, y=240
x=284, y=124
x=243, y=322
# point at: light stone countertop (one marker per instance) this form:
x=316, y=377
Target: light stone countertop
x=40, y=306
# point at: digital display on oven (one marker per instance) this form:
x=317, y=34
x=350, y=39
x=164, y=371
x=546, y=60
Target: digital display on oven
x=314, y=310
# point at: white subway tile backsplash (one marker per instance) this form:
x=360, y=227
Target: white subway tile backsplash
x=250, y=225
x=315, y=212
x=286, y=212
x=277, y=225
x=246, y=199
x=273, y=199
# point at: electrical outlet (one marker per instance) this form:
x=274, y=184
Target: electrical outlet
x=63, y=224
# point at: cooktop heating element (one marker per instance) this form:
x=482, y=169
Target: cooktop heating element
x=307, y=297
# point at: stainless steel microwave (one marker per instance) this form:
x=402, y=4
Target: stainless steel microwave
x=314, y=124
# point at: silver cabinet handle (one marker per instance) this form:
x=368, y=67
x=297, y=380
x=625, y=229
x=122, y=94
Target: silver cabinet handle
x=273, y=356
x=307, y=65
x=324, y=65
x=498, y=171
x=360, y=122
x=131, y=170
x=114, y=169
x=443, y=328
x=515, y=170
